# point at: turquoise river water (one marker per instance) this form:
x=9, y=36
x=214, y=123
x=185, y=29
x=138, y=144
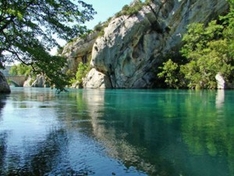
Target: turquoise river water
x=117, y=132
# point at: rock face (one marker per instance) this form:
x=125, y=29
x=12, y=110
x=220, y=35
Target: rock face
x=79, y=50
x=4, y=86
x=132, y=47
x=96, y=79
x=39, y=82
x=27, y=82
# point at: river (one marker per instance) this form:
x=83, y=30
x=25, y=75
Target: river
x=117, y=132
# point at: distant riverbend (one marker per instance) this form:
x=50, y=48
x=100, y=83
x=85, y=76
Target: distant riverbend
x=117, y=132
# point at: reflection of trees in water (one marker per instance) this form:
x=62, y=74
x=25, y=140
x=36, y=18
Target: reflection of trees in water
x=43, y=158
x=45, y=154
x=39, y=159
x=206, y=132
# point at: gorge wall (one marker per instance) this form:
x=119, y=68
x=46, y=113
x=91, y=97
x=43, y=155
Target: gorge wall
x=132, y=47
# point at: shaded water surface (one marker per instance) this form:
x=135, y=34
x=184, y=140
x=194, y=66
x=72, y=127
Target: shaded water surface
x=117, y=132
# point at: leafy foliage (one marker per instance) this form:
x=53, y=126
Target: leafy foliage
x=100, y=27
x=28, y=29
x=132, y=10
x=20, y=69
x=170, y=71
x=82, y=71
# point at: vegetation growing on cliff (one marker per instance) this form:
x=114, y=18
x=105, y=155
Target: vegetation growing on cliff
x=83, y=69
x=76, y=78
x=208, y=50
x=133, y=9
x=28, y=28
x=100, y=27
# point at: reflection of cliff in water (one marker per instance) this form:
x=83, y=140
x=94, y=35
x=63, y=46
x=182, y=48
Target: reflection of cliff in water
x=131, y=132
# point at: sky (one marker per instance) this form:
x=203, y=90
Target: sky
x=105, y=9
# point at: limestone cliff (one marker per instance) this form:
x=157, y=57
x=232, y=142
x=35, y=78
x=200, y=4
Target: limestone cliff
x=79, y=50
x=127, y=55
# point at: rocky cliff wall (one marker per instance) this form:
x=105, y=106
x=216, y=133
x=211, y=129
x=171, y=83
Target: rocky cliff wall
x=79, y=50
x=132, y=47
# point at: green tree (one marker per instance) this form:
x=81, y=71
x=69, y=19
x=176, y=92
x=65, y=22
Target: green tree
x=208, y=52
x=28, y=29
x=170, y=72
x=82, y=71
x=20, y=69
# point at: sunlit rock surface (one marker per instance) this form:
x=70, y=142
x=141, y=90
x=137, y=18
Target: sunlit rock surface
x=40, y=81
x=96, y=79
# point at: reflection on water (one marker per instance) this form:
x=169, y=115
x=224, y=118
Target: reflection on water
x=220, y=98
x=117, y=132
x=2, y=103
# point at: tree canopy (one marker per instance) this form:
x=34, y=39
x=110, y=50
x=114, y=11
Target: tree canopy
x=29, y=29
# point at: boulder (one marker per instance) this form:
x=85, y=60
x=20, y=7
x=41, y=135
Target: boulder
x=96, y=79
x=4, y=86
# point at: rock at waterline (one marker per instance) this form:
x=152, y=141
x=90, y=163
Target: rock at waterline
x=4, y=86
x=220, y=81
